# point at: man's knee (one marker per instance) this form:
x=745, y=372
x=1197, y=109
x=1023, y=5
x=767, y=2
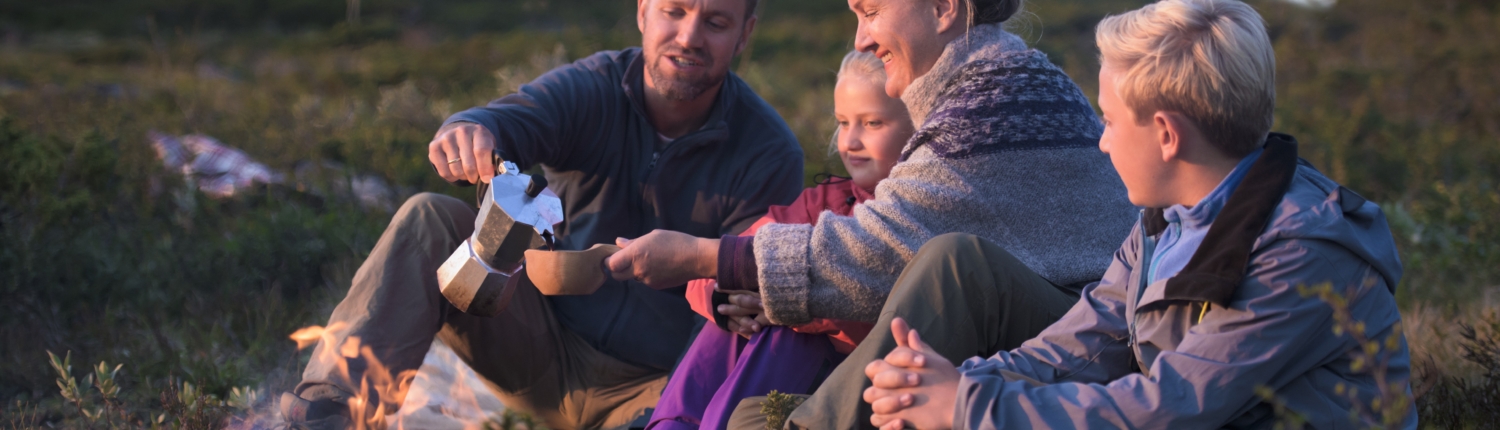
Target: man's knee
x=424, y=208
x=430, y=223
x=426, y=204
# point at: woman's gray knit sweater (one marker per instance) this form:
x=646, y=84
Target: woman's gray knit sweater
x=1007, y=149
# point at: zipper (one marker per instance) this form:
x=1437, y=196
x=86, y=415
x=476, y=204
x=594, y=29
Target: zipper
x=1176, y=229
x=656, y=155
x=1147, y=253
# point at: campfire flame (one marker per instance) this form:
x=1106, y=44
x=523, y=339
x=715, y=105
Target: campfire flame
x=307, y=336
x=461, y=408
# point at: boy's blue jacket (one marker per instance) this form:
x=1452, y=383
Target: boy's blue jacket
x=1138, y=355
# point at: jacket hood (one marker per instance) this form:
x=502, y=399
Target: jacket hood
x=1333, y=213
x=1281, y=197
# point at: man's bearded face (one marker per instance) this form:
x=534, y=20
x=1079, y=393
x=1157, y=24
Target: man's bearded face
x=684, y=74
x=688, y=44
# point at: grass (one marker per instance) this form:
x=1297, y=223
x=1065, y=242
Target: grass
x=778, y=407
x=107, y=257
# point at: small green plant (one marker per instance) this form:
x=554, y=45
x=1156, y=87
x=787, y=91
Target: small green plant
x=103, y=379
x=186, y=406
x=1286, y=419
x=183, y=405
x=71, y=391
x=778, y=407
x=24, y=415
x=1392, y=402
x=109, y=392
x=513, y=420
x=244, y=398
x=65, y=380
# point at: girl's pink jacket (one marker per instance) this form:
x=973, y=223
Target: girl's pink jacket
x=838, y=196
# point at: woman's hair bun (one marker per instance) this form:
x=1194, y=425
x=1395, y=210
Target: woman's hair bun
x=993, y=11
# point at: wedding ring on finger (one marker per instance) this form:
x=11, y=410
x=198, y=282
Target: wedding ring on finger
x=455, y=160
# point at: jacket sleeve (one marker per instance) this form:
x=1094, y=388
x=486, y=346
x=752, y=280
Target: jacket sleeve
x=700, y=292
x=1090, y=344
x=844, y=266
x=548, y=120
x=1268, y=336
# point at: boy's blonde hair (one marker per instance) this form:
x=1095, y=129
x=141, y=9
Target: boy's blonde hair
x=1210, y=60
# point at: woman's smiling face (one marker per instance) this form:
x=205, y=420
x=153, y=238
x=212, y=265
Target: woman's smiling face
x=907, y=35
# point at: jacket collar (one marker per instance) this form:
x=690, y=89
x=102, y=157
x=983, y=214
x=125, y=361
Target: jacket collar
x=1203, y=214
x=715, y=130
x=1218, y=265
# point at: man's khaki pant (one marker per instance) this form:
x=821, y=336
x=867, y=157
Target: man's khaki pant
x=965, y=295
x=525, y=356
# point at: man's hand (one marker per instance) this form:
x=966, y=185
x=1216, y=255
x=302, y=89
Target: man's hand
x=461, y=151
x=913, y=385
x=746, y=315
x=664, y=259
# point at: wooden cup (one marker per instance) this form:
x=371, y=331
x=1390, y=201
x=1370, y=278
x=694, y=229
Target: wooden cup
x=569, y=273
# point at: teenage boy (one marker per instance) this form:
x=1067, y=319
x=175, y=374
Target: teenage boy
x=1200, y=311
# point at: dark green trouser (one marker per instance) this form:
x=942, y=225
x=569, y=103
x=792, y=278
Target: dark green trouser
x=965, y=295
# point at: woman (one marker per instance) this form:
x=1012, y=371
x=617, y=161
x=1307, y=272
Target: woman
x=1005, y=149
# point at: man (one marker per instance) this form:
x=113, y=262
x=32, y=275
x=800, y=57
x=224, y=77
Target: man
x=661, y=136
x=1202, y=320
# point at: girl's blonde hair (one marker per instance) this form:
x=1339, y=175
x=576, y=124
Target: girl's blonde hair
x=863, y=66
x=1209, y=60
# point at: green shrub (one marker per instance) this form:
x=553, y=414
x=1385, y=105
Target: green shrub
x=165, y=281
x=513, y=420
x=1457, y=401
x=778, y=407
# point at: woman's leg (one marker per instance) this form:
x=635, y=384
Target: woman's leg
x=967, y=296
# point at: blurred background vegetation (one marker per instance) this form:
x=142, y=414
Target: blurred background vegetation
x=109, y=255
